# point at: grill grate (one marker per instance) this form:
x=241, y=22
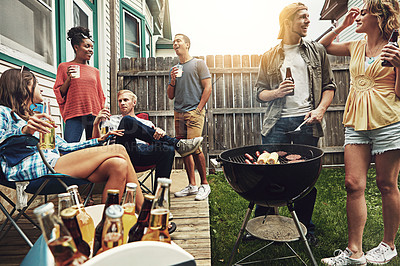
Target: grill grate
x=281, y=159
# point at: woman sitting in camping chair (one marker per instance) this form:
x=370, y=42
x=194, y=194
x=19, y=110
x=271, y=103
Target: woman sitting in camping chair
x=110, y=164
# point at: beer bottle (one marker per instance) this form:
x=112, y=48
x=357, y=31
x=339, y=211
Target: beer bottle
x=113, y=232
x=70, y=221
x=85, y=221
x=289, y=77
x=129, y=217
x=47, y=140
x=158, y=223
x=112, y=198
x=137, y=231
x=64, y=201
x=392, y=41
x=57, y=237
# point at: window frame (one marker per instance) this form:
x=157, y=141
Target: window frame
x=20, y=58
x=59, y=41
x=124, y=7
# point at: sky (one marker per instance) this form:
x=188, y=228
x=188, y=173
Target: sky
x=220, y=27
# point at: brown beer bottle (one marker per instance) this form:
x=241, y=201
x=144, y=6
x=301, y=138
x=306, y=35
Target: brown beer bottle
x=70, y=221
x=112, y=198
x=392, y=41
x=289, y=77
x=137, y=231
x=57, y=237
x=158, y=222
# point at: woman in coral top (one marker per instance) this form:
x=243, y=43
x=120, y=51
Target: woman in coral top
x=372, y=126
x=80, y=98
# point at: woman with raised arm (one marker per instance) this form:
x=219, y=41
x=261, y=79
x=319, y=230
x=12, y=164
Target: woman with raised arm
x=78, y=88
x=372, y=126
x=110, y=164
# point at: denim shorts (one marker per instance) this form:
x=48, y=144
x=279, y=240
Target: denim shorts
x=381, y=139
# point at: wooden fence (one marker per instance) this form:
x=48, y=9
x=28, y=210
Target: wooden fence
x=234, y=117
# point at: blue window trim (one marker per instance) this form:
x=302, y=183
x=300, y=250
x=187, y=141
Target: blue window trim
x=143, y=24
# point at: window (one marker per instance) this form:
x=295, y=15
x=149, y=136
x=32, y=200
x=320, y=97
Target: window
x=148, y=43
x=77, y=13
x=131, y=36
x=80, y=17
x=27, y=31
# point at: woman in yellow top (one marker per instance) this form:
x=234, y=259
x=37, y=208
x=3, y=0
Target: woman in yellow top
x=372, y=126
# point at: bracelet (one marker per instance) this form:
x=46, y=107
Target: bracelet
x=334, y=32
x=173, y=86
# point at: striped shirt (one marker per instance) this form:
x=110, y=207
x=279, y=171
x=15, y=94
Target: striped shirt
x=32, y=167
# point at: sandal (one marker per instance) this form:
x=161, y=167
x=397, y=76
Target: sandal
x=171, y=227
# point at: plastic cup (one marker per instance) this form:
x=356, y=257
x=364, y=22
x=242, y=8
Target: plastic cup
x=180, y=71
x=77, y=73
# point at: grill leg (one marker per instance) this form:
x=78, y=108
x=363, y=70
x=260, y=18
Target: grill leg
x=245, y=221
x=302, y=236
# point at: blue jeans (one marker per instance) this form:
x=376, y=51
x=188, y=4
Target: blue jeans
x=304, y=207
x=159, y=152
x=75, y=126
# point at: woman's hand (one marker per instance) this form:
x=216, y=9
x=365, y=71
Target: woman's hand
x=118, y=132
x=70, y=71
x=37, y=123
x=391, y=53
x=350, y=17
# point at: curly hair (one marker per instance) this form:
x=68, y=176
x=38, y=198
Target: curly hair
x=77, y=34
x=387, y=13
x=14, y=91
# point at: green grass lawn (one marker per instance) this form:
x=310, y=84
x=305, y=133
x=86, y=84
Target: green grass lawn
x=227, y=210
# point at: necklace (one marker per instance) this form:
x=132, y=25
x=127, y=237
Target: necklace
x=371, y=60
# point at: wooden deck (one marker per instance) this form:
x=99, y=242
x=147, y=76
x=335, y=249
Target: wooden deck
x=192, y=233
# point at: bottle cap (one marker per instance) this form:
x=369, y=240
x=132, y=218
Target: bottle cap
x=164, y=180
x=64, y=195
x=112, y=191
x=115, y=211
x=131, y=185
x=68, y=213
x=46, y=208
x=149, y=197
x=72, y=187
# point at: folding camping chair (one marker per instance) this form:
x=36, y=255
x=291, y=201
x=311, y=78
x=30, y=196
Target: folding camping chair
x=53, y=183
x=152, y=168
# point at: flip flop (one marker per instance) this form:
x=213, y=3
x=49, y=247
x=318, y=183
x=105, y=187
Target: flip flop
x=172, y=228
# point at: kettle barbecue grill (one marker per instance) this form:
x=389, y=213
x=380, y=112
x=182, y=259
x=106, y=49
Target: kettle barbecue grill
x=272, y=185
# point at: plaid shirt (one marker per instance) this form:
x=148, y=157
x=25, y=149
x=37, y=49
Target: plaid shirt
x=32, y=167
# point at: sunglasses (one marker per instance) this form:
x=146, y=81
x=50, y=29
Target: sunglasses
x=25, y=68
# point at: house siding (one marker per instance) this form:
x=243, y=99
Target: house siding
x=349, y=34
x=103, y=53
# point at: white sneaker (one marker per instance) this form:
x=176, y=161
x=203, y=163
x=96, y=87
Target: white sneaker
x=189, y=190
x=204, y=191
x=382, y=254
x=187, y=146
x=343, y=258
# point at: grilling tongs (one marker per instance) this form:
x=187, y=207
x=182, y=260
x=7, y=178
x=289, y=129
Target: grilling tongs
x=299, y=127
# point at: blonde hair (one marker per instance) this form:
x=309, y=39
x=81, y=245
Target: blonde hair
x=387, y=13
x=131, y=94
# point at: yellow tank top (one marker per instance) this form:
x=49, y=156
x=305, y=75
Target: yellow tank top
x=372, y=102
